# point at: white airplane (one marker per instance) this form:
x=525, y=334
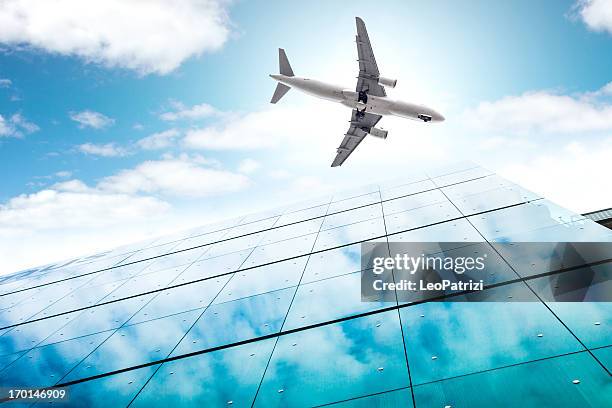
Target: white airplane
x=369, y=101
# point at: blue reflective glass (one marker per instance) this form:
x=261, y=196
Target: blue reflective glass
x=334, y=262
x=263, y=279
x=336, y=362
x=604, y=355
x=216, y=379
x=47, y=365
x=545, y=383
x=501, y=333
x=135, y=344
x=329, y=299
x=581, y=299
x=238, y=320
x=112, y=391
x=398, y=398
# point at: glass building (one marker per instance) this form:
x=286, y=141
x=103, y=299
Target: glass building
x=265, y=310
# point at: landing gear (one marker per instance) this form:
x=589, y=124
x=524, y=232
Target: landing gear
x=424, y=118
x=362, y=97
x=361, y=113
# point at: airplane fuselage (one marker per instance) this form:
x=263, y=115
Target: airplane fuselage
x=381, y=105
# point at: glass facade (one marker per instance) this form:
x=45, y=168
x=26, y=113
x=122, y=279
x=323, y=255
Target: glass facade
x=265, y=310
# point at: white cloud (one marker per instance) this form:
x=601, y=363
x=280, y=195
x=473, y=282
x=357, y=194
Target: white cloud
x=104, y=150
x=5, y=83
x=72, y=204
x=183, y=176
x=544, y=111
x=248, y=166
x=158, y=140
x=63, y=174
x=596, y=14
x=153, y=36
x=91, y=119
x=72, y=218
x=181, y=111
x=16, y=126
x=570, y=176
x=273, y=126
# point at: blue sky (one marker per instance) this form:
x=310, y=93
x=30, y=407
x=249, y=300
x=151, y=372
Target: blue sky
x=121, y=121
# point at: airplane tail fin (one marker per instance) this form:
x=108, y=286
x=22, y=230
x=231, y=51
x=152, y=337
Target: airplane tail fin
x=279, y=92
x=285, y=69
x=283, y=63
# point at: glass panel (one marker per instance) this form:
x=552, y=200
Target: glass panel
x=150, y=252
x=413, y=202
x=263, y=279
x=352, y=216
x=45, y=366
x=28, y=335
x=136, y=344
x=589, y=315
x=500, y=224
x=146, y=282
x=451, y=231
x=119, y=273
x=82, y=297
x=228, y=377
x=234, y=245
x=348, y=234
x=112, y=391
x=291, y=231
x=407, y=189
x=532, y=258
x=7, y=359
x=238, y=320
x=191, y=296
x=495, y=269
x=176, y=259
x=604, y=355
x=399, y=398
x=35, y=307
x=301, y=215
x=332, y=263
x=213, y=266
x=252, y=227
x=422, y=216
x=342, y=204
x=447, y=339
x=576, y=231
x=486, y=194
x=546, y=383
x=98, y=319
x=200, y=240
x=336, y=362
x=329, y=299
x=280, y=250
x=461, y=176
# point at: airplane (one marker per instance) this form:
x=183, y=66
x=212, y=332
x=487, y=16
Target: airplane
x=369, y=101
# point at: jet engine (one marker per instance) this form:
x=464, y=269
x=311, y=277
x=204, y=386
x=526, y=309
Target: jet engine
x=387, y=82
x=380, y=133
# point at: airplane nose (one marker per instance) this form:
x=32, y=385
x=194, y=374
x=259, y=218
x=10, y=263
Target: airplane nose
x=438, y=118
x=275, y=76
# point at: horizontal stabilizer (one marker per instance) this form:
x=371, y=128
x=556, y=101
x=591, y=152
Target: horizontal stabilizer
x=283, y=62
x=279, y=92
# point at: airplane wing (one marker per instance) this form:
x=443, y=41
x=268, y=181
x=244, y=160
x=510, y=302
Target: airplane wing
x=368, y=70
x=358, y=130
